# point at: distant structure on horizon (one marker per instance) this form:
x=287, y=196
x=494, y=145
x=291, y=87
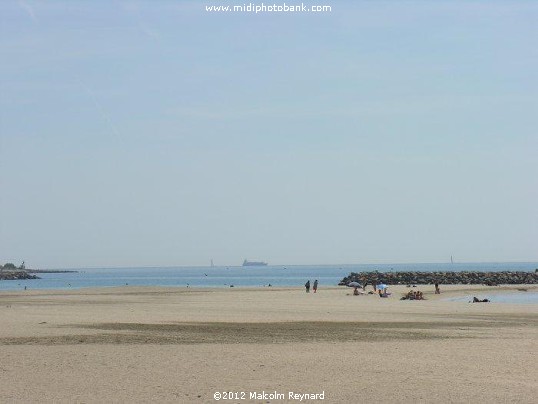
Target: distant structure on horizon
x=247, y=263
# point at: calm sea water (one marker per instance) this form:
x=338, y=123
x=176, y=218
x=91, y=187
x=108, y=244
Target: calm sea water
x=295, y=275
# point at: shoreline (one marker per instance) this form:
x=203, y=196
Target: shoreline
x=428, y=290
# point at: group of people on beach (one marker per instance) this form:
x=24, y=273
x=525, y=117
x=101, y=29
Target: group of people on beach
x=413, y=295
x=381, y=290
x=314, y=287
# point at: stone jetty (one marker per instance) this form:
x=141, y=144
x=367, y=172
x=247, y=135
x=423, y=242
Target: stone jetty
x=13, y=275
x=446, y=278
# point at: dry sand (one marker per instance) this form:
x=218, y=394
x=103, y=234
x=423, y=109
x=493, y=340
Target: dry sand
x=183, y=345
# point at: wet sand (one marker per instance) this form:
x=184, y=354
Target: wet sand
x=183, y=345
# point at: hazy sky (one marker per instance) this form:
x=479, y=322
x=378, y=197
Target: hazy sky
x=156, y=133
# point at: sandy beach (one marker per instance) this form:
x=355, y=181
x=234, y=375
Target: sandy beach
x=184, y=344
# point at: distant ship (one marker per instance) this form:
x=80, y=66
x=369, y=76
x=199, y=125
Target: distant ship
x=254, y=263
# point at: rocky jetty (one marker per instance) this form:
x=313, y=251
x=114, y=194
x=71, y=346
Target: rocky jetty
x=11, y=275
x=50, y=271
x=446, y=278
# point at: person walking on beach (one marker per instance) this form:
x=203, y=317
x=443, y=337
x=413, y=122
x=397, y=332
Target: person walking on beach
x=315, y=285
x=307, y=286
x=437, y=290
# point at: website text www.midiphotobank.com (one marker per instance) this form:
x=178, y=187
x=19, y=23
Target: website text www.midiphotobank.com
x=257, y=8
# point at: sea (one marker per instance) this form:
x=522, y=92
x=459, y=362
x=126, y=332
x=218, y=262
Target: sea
x=235, y=276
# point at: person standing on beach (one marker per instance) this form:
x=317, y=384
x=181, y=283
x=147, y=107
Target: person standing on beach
x=437, y=290
x=307, y=286
x=315, y=285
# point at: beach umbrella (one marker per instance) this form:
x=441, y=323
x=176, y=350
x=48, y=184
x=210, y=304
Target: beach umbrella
x=354, y=284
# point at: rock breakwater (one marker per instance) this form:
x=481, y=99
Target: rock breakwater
x=446, y=278
x=16, y=275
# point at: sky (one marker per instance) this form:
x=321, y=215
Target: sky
x=157, y=133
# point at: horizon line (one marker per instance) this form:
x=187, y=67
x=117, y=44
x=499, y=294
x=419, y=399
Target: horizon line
x=288, y=265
